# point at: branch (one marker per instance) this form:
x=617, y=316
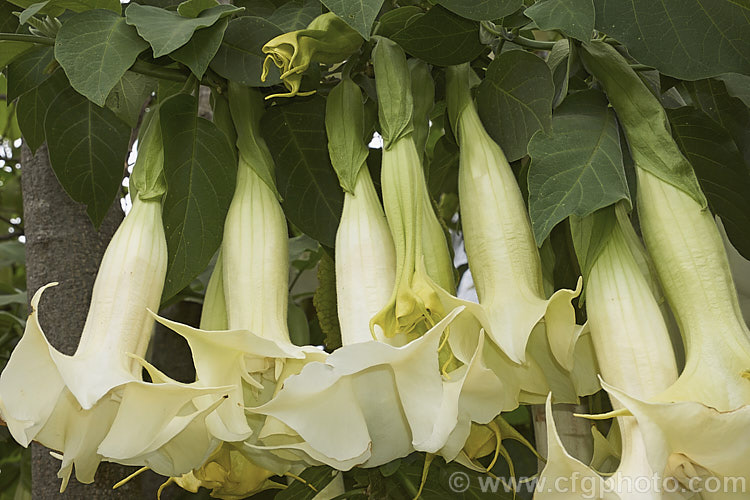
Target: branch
x=20, y=37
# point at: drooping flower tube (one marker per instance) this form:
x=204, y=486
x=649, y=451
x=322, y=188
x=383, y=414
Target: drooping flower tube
x=254, y=354
x=632, y=346
x=94, y=405
x=500, y=245
x=708, y=405
x=377, y=399
x=414, y=306
x=326, y=40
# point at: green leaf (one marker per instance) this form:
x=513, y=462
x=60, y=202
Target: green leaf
x=13, y=298
x=359, y=14
x=295, y=15
x=515, y=100
x=200, y=170
x=720, y=168
x=296, y=136
x=575, y=18
x=193, y=8
x=394, y=21
x=481, y=10
x=96, y=48
x=8, y=21
x=128, y=95
x=29, y=71
x=559, y=60
x=201, y=49
x=442, y=176
x=56, y=7
x=440, y=37
x=240, y=56
x=167, y=31
x=737, y=86
x=33, y=105
x=88, y=146
x=577, y=167
x=712, y=97
x=687, y=39
x=10, y=50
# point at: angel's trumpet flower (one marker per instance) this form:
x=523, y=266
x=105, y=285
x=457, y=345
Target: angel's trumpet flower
x=389, y=393
x=94, y=406
x=707, y=407
x=254, y=355
x=500, y=245
x=326, y=40
x=632, y=346
x=414, y=306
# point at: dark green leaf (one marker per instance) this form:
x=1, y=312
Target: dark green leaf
x=440, y=37
x=359, y=14
x=393, y=22
x=737, y=86
x=711, y=96
x=295, y=15
x=8, y=22
x=32, y=108
x=515, y=100
x=167, y=31
x=687, y=39
x=11, y=50
x=560, y=62
x=29, y=71
x=577, y=167
x=481, y=10
x=127, y=97
x=575, y=18
x=720, y=168
x=96, y=48
x=193, y=8
x=88, y=146
x=201, y=49
x=296, y=136
x=442, y=176
x=200, y=170
x=240, y=56
x=56, y=7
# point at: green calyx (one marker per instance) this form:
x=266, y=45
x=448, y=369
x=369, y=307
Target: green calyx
x=345, y=127
x=246, y=105
x=148, y=181
x=643, y=118
x=393, y=83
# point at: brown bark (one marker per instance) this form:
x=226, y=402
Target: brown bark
x=62, y=245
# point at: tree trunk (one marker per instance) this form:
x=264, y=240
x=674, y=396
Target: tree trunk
x=62, y=245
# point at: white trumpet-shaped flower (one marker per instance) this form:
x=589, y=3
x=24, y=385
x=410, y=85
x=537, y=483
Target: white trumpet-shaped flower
x=248, y=349
x=709, y=404
x=500, y=246
x=94, y=406
x=632, y=347
x=378, y=399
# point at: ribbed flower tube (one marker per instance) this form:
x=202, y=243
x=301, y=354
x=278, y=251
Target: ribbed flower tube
x=365, y=262
x=257, y=295
x=709, y=404
x=633, y=350
x=500, y=246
